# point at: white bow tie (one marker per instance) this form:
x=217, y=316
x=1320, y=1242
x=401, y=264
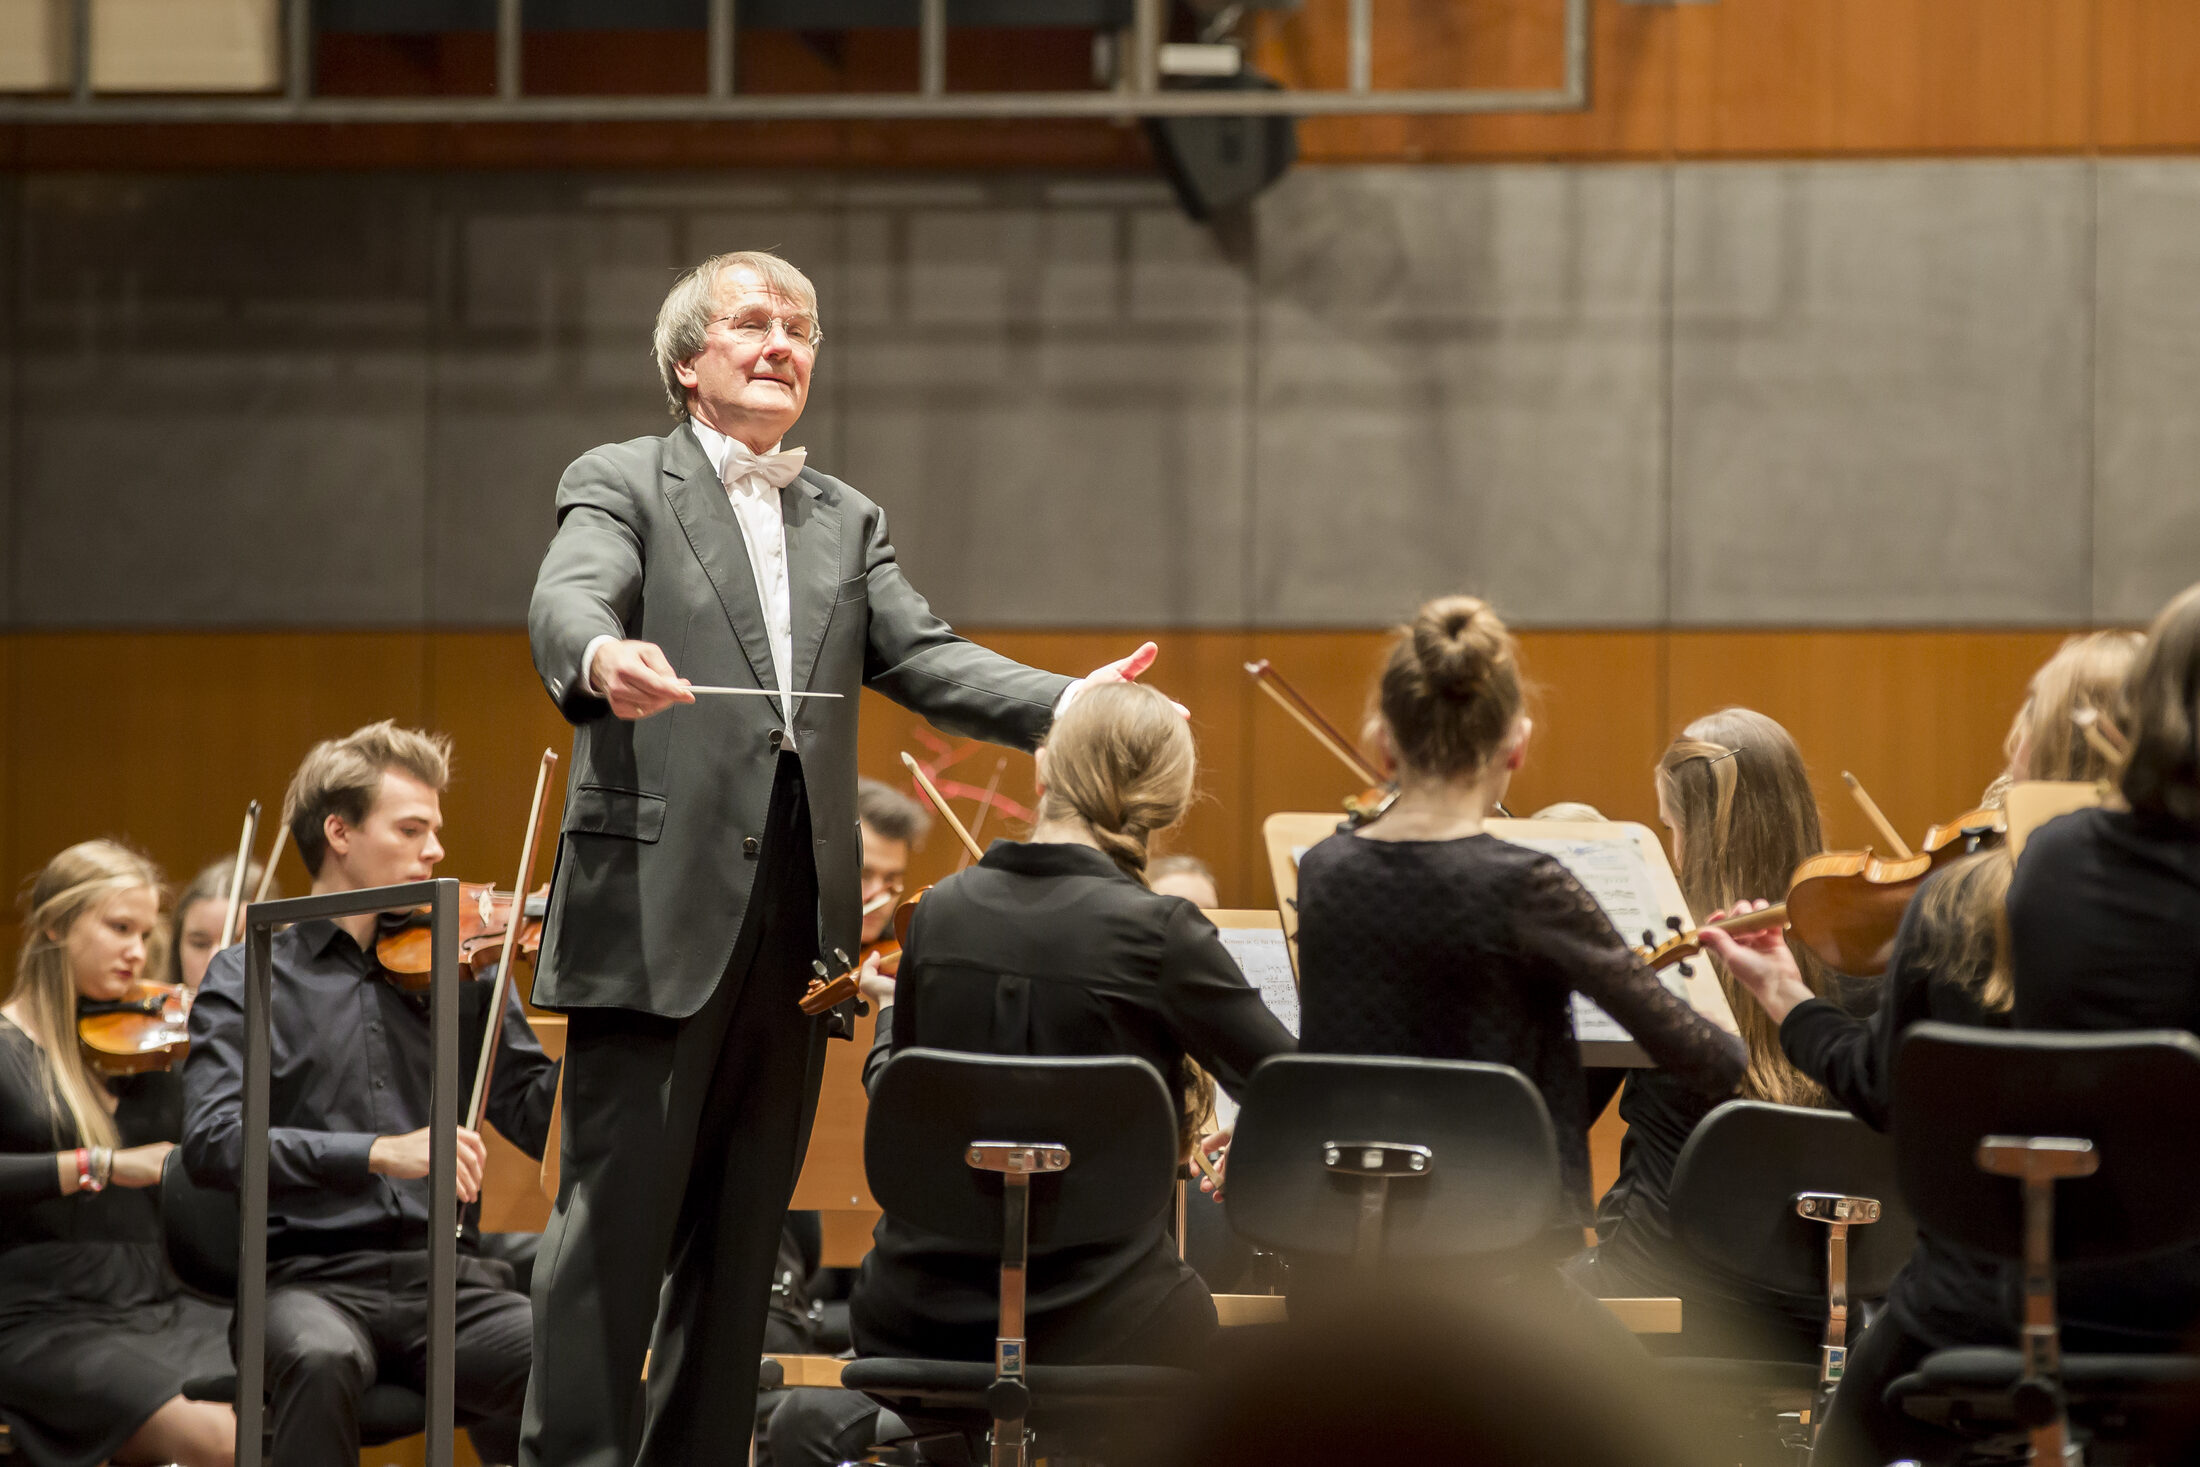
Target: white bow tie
x=777, y=469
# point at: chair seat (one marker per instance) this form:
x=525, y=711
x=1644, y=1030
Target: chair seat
x=387, y=1411
x=961, y=1384
x=1081, y=1401
x=1974, y=1384
x=1988, y=1368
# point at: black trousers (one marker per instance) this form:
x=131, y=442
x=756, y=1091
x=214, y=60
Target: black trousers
x=336, y=1325
x=1861, y=1429
x=682, y=1138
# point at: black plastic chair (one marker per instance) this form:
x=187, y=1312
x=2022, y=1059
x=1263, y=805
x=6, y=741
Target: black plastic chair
x=2049, y=1149
x=1392, y=1161
x=1798, y=1203
x=199, y=1230
x=1021, y=1154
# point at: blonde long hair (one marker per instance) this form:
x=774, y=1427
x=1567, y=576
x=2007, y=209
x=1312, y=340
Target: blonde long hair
x=75, y=884
x=1121, y=759
x=1962, y=916
x=1742, y=809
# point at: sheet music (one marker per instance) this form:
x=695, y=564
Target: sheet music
x=1262, y=957
x=1615, y=874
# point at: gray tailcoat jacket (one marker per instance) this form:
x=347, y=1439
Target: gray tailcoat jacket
x=664, y=817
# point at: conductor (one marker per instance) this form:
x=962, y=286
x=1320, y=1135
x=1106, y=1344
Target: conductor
x=709, y=854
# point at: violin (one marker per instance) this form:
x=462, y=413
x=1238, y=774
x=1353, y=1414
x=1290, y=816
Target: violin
x=144, y=1030
x=1846, y=906
x=1687, y=943
x=829, y=990
x=1969, y=833
x=1370, y=802
x=405, y=945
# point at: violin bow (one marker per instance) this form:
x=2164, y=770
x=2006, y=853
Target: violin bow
x=2101, y=733
x=985, y=805
x=236, y=874
x=274, y=855
x=485, y=1067
x=1309, y=718
x=931, y=792
x=1871, y=811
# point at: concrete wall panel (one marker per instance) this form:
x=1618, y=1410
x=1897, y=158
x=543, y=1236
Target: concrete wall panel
x=222, y=396
x=2146, y=530
x=1047, y=393
x=1880, y=393
x=1460, y=388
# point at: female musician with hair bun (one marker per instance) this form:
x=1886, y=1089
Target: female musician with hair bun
x=1056, y=946
x=96, y=1337
x=1421, y=934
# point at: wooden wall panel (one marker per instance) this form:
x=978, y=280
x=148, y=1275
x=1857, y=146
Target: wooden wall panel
x=1487, y=43
x=483, y=692
x=1600, y=722
x=1918, y=717
x=1882, y=76
x=1735, y=78
x=2148, y=76
x=163, y=737
x=1194, y=668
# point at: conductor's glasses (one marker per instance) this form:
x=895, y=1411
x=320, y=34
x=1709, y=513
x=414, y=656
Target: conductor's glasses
x=754, y=328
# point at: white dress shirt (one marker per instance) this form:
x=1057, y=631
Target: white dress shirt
x=755, y=504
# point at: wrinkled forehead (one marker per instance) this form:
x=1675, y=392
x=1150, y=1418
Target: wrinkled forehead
x=741, y=287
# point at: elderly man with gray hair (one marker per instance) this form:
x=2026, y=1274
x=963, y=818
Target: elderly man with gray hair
x=709, y=853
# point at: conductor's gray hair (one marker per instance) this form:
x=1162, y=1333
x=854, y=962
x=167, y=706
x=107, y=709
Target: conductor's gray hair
x=692, y=304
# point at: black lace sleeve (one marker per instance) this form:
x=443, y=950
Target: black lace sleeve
x=1560, y=924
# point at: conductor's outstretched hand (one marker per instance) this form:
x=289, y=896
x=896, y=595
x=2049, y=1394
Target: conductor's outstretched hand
x=635, y=679
x=1122, y=670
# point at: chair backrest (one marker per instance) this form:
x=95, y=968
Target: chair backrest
x=198, y=1228
x=1112, y=1113
x=2135, y=1096
x=1491, y=1183
x=1735, y=1184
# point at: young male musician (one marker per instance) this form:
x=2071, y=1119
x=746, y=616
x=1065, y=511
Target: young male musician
x=892, y=825
x=348, y=1124
x=709, y=855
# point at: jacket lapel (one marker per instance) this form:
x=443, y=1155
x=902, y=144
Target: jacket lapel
x=813, y=570
x=699, y=502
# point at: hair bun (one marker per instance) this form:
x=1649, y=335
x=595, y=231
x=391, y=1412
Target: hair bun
x=1459, y=642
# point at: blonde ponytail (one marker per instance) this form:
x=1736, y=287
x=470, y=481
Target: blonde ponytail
x=1121, y=760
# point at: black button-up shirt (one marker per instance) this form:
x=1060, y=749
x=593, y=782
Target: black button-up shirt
x=351, y=1062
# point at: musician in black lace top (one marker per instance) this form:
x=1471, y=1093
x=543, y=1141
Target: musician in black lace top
x=1419, y=934
x=96, y=1336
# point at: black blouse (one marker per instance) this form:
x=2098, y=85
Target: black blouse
x=1945, y=1295
x=1048, y=949
x=32, y=1129
x=1471, y=949
x=2104, y=925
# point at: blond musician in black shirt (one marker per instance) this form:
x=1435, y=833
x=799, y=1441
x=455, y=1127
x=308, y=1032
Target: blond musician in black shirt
x=1056, y=946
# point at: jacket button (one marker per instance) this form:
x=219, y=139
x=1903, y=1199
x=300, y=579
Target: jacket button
x=750, y=845
x=778, y=737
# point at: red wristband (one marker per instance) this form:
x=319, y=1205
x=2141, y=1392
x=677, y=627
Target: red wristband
x=85, y=1181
